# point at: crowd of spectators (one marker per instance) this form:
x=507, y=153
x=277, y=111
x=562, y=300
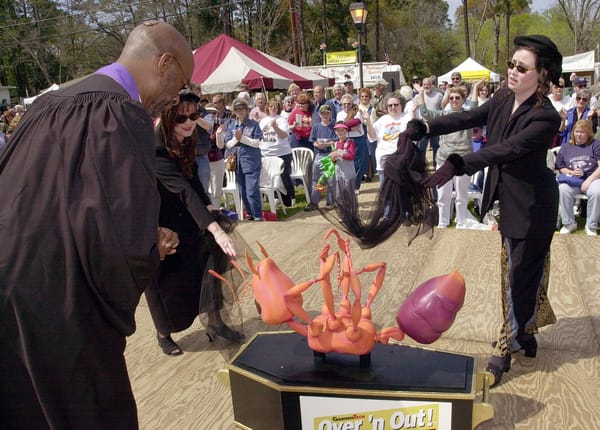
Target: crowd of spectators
x=373, y=117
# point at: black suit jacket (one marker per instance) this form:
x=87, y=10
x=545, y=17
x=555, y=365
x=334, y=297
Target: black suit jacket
x=515, y=152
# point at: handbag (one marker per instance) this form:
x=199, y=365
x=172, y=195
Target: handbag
x=215, y=154
x=573, y=181
x=231, y=162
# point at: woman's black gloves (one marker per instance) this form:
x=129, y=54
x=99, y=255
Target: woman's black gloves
x=454, y=165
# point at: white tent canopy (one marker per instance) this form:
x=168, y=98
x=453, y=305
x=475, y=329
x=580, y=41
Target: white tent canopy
x=583, y=62
x=471, y=70
x=27, y=101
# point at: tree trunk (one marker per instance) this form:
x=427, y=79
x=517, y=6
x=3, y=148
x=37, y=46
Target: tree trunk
x=377, y=21
x=294, y=32
x=466, y=24
x=301, y=38
x=496, y=41
x=507, y=25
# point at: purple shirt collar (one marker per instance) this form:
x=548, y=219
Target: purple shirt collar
x=121, y=75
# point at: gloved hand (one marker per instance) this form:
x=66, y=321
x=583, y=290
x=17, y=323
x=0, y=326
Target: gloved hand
x=453, y=166
x=416, y=129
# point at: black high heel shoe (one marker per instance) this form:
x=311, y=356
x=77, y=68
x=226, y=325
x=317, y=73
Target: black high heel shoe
x=227, y=333
x=168, y=345
x=497, y=366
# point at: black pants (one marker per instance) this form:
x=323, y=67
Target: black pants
x=525, y=270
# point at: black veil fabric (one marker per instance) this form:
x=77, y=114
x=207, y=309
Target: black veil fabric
x=217, y=295
x=402, y=199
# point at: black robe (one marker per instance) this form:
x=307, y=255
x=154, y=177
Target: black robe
x=78, y=224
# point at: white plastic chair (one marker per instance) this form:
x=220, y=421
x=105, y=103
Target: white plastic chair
x=271, y=183
x=232, y=189
x=302, y=159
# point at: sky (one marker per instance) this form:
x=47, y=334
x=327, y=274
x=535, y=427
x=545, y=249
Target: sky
x=536, y=6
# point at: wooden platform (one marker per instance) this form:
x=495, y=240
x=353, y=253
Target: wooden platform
x=558, y=389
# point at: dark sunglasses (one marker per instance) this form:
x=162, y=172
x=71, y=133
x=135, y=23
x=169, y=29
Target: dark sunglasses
x=180, y=119
x=393, y=104
x=456, y=78
x=521, y=69
x=583, y=99
x=455, y=98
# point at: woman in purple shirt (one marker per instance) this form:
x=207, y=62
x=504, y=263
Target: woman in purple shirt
x=579, y=165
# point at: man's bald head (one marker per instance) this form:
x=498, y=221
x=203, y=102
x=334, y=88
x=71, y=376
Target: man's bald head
x=156, y=37
x=160, y=60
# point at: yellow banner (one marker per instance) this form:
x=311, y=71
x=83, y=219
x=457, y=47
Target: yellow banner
x=417, y=417
x=341, y=57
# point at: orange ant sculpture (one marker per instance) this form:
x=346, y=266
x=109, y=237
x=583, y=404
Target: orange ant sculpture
x=350, y=330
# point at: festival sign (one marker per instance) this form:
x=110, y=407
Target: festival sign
x=337, y=413
x=341, y=57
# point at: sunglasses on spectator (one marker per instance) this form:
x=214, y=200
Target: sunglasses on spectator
x=393, y=105
x=521, y=69
x=180, y=119
x=453, y=98
x=583, y=99
x=456, y=78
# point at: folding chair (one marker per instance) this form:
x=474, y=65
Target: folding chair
x=302, y=159
x=271, y=183
x=232, y=189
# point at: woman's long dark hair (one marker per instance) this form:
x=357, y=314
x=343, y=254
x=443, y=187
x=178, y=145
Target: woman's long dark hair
x=184, y=152
x=543, y=88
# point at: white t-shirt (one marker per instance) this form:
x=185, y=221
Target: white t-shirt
x=388, y=129
x=565, y=103
x=271, y=144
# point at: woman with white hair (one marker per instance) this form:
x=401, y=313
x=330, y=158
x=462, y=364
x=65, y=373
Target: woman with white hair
x=259, y=111
x=581, y=110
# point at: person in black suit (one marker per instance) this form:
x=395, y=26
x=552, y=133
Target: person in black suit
x=521, y=124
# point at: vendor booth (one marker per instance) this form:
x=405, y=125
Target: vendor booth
x=471, y=70
x=224, y=63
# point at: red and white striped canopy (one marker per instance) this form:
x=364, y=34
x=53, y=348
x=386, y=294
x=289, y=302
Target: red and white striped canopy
x=222, y=64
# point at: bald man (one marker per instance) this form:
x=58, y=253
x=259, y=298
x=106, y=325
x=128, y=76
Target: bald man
x=78, y=228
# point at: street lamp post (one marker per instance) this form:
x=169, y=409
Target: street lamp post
x=323, y=48
x=359, y=17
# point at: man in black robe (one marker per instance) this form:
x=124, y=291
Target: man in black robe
x=78, y=228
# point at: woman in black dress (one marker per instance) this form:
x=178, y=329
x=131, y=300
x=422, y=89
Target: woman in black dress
x=183, y=290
